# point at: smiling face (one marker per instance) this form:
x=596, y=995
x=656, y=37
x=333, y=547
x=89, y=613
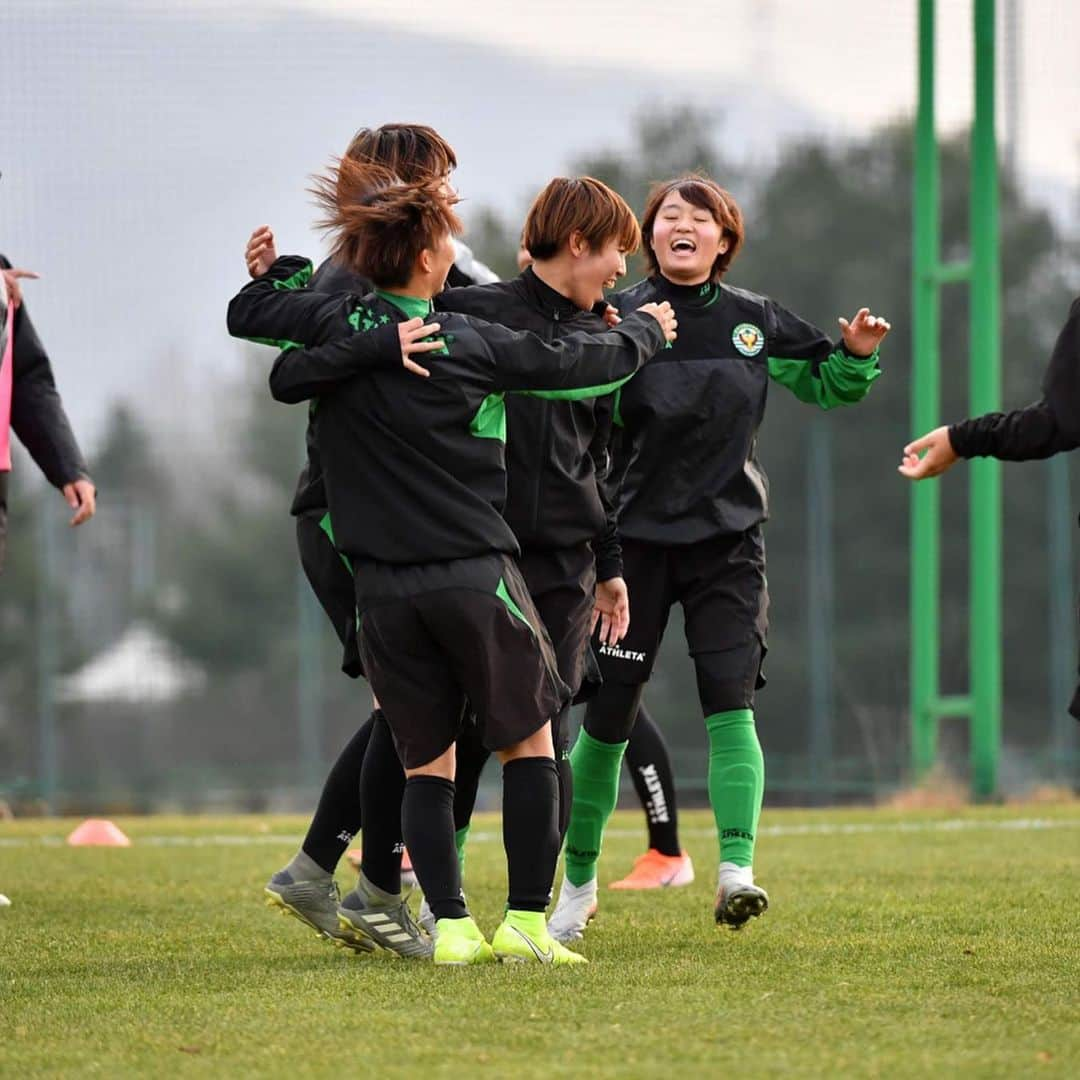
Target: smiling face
x=596, y=270
x=693, y=229
x=687, y=240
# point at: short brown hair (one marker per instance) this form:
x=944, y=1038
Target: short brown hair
x=697, y=190
x=410, y=151
x=582, y=205
x=379, y=223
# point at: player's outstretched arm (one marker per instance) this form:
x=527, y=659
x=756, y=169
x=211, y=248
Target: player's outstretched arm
x=819, y=371
x=278, y=309
x=581, y=365
x=300, y=374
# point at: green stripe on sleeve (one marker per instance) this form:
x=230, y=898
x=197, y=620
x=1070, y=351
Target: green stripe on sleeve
x=840, y=379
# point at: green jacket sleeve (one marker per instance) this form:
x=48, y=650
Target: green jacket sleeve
x=815, y=369
x=277, y=309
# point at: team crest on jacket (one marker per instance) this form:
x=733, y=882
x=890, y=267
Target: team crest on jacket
x=748, y=339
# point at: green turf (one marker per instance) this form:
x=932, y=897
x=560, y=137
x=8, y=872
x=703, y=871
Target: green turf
x=892, y=952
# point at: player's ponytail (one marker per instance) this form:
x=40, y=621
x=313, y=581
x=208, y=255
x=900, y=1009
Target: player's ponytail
x=378, y=223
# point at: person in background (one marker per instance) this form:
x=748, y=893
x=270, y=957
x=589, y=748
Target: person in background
x=30, y=406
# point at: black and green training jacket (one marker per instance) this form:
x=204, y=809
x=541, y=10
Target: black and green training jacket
x=686, y=466
x=414, y=467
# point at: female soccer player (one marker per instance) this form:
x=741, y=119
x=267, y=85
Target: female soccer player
x=691, y=504
x=1049, y=426
x=305, y=887
x=415, y=481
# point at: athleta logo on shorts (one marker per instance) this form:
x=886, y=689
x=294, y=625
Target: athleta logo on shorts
x=622, y=654
x=748, y=339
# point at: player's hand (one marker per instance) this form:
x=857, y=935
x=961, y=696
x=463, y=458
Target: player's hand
x=412, y=334
x=611, y=610
x=929, y=456
x=11, y=279
x=664, y=314
x=261, y=251
x=611, y=317
x=81, y=496
x=864, y=333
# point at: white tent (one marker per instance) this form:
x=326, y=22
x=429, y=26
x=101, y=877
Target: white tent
x=141, y=668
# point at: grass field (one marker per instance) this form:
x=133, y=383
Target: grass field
x=896, y=945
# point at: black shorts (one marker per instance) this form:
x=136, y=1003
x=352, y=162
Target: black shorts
x=721, y=586
x=562, y=584
x=332, y=582
x=432, y=638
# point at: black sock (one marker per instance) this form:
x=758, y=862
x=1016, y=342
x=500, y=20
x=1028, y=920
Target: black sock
x=560, y=737
x=427, y=821
x=530, y=830
x=650, y=769
x=472, y=756
x=382, y=785
x=338, y=815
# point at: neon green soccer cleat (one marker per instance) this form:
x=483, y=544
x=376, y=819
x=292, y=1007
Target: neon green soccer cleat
x=523, y=938
x=459, y=942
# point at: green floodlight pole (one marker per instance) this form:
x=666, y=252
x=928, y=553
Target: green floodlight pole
x=985, y=396
x=983, y=705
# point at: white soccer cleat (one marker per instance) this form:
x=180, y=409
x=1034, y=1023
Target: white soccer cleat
x=576, y=906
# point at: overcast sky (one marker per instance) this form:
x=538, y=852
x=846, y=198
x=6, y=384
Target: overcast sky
x=853, y=60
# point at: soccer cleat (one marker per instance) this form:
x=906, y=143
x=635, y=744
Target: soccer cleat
x=575, y=908
x=459, y=942
x=656, y=871
x=314, y=903
x=737, y=902
x=368, y=912
x=523, y=938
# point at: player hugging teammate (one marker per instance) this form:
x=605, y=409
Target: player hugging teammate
x=559, y=507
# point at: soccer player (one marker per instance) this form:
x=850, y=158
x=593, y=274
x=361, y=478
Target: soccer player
x=1048, y=426
x=415, y=481
x=305, y=888
x=691, y=504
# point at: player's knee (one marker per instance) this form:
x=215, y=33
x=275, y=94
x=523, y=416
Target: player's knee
x=610, y=716
x=728, y=679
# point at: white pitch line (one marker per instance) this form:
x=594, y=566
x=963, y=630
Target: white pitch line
x=817, y=829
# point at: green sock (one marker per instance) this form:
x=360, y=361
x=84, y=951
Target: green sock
x=459, y=838
x=596, y=767
x=736, y=782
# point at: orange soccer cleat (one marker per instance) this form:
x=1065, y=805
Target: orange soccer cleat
x=656, y=871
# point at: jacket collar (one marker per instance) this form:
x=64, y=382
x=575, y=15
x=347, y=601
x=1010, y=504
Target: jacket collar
x=541, y=295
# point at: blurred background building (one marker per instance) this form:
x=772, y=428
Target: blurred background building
x=141, y=141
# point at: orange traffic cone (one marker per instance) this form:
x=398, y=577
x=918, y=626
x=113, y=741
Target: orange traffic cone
x=97, y=832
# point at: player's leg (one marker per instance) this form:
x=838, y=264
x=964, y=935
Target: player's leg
x=722, y=585
x=598, y=752
x=422, y=702
x=375, y=907
x=562, y=585
x=305, y=887
x=507, y=666
x=665, y=863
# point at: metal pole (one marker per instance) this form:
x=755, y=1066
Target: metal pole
x=925, y=409
x=820, y=605
x=985, y=394
x=46, y=656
